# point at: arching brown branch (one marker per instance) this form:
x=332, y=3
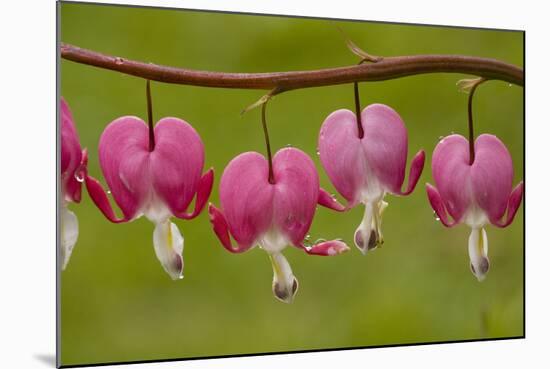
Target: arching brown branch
x=385, y=69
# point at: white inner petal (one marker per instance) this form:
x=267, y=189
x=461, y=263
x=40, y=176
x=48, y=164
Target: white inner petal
x=285, y=284
x=168, y=243
x=368, y=235
x=475, y=217
x=69, y=234
x=273, y=241
x=478, y=248
x=155, y=210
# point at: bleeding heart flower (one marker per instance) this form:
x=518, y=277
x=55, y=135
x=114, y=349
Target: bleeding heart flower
x=365, y=162
x=73, y=169
x=272, y=214
x=476, y=193
x=156, y=175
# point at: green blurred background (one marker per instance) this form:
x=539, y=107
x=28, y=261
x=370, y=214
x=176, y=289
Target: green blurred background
x=117, y=303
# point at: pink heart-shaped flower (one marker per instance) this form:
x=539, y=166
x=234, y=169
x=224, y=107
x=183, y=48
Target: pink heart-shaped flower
x=273, y=215
x=476, y=193
x=158, y=183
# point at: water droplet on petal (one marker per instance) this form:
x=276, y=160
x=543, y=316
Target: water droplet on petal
x=80, y=173
x=119, y=60
x=108, y=192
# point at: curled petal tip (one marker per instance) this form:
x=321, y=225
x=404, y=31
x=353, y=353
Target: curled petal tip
x=327, y=248
x=203, y=193
x=328, y=201
x=84, y=160
x=438, y=206
x=99, y=197
x=514, y=201
x=221, y=228
x=417, y=165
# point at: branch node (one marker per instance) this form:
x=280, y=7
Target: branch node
x=264, y=99
x=365, y=57
x=467, y=84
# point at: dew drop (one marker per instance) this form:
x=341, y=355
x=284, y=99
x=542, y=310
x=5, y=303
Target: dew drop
x=119, y=60
x=509, y=85
x=288, y=145
x=108, y=192
x=318, y=152
x=80, y=173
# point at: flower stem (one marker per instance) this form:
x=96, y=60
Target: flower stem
x=471, y=119
x=150, y=117
x=271, y=178
x=360, y=130
x=358, y=110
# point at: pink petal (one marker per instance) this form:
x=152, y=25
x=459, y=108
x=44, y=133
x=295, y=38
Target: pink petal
x=328, y=201
x=176, y=164
x=124, y=159
x=385, y=144
x=438, y=205
x=100, y=199
x=513, y=204
x=71, y=154
x=417, y=166
x=451, y=173
x=342, y=154
x=296, y=193
x=326, y=248
x=246, y=198
x=203, y=193
x=221, y=228
x=492, y=174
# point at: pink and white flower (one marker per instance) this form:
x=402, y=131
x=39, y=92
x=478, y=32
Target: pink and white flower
x=158, y=181
x=73, y=168
x=475, y=193
x=273, y=214
x=366, y=162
